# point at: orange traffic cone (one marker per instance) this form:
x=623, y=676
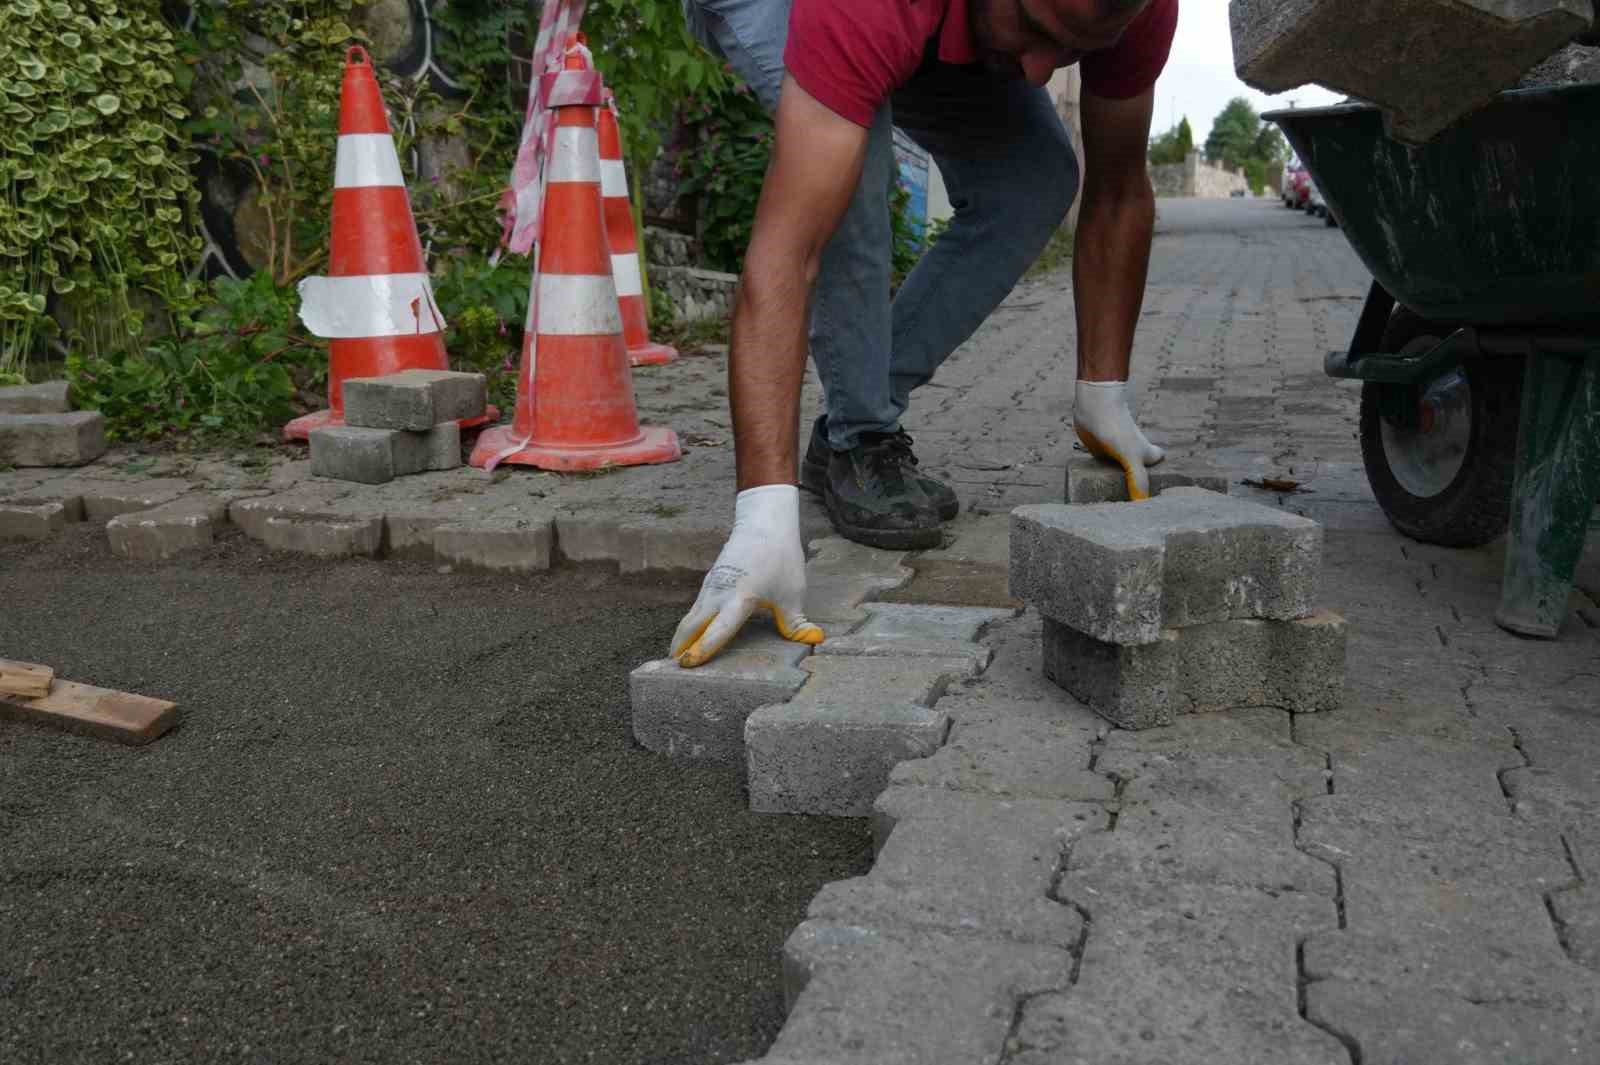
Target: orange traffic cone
x=376, y=307
x=624, y=242
x=575, y=408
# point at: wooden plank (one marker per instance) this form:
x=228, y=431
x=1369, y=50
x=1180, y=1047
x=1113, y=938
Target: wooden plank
x=113, y=715
x=27, y=679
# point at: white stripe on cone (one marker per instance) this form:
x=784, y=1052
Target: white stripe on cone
x=613, y=179
x=370, y=305
x=625, y=268
x=366, y=160
x=576, y=155
x=577, y=305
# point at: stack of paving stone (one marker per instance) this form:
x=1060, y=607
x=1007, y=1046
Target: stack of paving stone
x=1187, y=603
x=38, y=427
x=398, y=424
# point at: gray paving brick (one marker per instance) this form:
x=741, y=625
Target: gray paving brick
x=71, y=439
x=830, y=750
x=898, y=996
x=104, y=500
x=699, y=714
x=1291, y=665
x=918, y=631
x=1091, y=481
x=1578, y=910
x=501, y=545
x=324, y=537
x=1122, y=573
x=966, y=864
x=308, y=501
x=38, y=521
x=416, y=400
x=49, y=397
x=1361, y=50
x=169, y=530
x=366, y=455
x=443, y=446
x=1009, y=757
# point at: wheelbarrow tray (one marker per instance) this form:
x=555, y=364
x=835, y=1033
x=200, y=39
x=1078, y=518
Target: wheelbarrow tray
x=1495, y=222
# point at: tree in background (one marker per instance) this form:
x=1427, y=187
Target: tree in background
x=1172, y=146
x=1240, y=141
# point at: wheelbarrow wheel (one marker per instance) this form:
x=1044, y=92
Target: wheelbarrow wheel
x=1443, y=476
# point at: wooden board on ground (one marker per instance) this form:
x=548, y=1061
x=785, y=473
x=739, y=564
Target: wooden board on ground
x=27, y=679
x=113, y=715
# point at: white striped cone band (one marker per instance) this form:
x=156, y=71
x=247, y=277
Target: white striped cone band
x=576, y=305
x=625, y=269
x=576, y=155
x=366, y=160
x=613, y=179
x=369, y=305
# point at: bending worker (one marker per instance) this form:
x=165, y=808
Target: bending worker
x=965, y=79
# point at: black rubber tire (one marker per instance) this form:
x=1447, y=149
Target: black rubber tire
x=1475, y=507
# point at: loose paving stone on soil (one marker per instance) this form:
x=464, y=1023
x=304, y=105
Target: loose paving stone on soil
x=402, y=820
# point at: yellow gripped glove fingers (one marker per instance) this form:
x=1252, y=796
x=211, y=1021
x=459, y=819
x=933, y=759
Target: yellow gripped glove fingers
x=1104, y=423
x=762, y=564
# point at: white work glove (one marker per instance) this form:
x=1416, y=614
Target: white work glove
x=762, y=564
x=1105, y=425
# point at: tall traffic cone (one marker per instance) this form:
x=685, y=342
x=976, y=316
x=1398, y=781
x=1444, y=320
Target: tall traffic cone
x=376, y=307
x=624, y=241
x=575, y=408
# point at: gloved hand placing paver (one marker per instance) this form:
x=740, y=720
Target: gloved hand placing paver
x=1106, y=426
x=761, y=565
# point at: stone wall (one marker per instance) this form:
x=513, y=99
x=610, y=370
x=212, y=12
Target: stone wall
x=695, y=293
x=1197, y=179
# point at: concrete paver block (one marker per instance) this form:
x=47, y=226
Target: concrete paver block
x=442, y=445
x=1091, y=481
x=166, y=531
x=897, y=996
x=966, y=864
x=104, y=501
x=24, y=521
x=1293, y=665
x=1010, y=759
x=314, y=500
x=699, y=714
x=62, y=439
x=1123, y=573
x=830, y=750
x=915, y=631
x=324, y=537
x=49, y=397
x=367, y=456
x=1369, y=49
x=416, y=400
x=501, y=545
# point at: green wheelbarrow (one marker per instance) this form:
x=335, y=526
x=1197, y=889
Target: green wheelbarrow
x=1479, y=345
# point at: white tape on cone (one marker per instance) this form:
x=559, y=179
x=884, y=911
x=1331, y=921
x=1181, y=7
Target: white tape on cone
x=576, y=155
x=365, y=160
x=576, y=305
x=372, y=305
x=625, y=269
x=613, y=179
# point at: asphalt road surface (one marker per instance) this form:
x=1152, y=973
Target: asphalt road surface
x=404, y=820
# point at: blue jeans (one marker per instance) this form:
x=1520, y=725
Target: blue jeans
x=1011, y=172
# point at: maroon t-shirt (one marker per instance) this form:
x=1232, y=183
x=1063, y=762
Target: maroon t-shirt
x=851, y=54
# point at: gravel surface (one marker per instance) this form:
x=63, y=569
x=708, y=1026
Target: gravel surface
x=403, y=820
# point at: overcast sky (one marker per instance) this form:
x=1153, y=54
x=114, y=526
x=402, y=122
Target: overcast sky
x=1199, y=79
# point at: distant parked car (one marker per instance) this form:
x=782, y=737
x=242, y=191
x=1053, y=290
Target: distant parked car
x=1300, y=189
x=1317, y=207
x=1237, y=194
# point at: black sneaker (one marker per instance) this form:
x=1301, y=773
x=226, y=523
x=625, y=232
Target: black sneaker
x=871, y=499
x=814, y=470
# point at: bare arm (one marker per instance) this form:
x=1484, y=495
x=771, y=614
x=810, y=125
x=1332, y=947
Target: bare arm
x=816, y=163
x=1112, y=249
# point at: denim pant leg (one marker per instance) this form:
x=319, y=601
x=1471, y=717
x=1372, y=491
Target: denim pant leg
x=850, y=317
x=1012, y=174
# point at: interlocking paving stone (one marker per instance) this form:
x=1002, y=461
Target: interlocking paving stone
x=49, y=397
x=309, y=501
x=416, y=400
x=104, y=500
x=324, y=537
x=23, y=521
x=966, y=864
x=1292, y=665
x=1091, y=481
x=499, y=544
x=169, y=530
x=830, y=750
x=900, y=996
x=63, y=439
x=1009, y=757
x=377, y=456
x=700, y=713
x=1122, y=573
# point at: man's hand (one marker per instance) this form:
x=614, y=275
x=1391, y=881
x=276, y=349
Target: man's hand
x=762, y=564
